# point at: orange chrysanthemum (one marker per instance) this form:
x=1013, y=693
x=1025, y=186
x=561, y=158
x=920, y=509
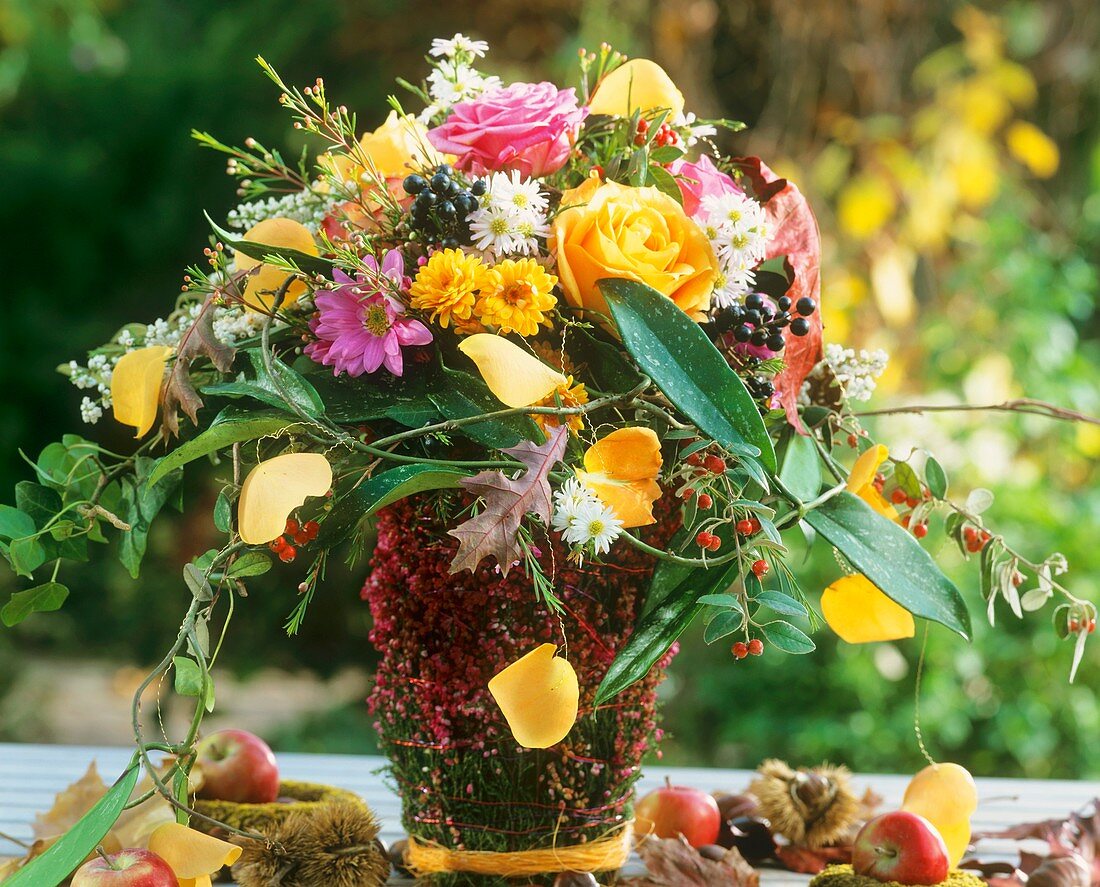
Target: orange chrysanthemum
x=447, y=286
x=517, y=297
x=567, y=395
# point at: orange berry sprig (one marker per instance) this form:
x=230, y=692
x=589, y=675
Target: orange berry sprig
x=299, y=534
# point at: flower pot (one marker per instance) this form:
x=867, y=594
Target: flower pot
x=465, y=784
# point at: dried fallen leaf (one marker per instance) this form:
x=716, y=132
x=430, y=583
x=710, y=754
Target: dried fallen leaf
x=70, y=804
x=506, y=502
x=811, y=862
x=673, y=862
x=198, y=341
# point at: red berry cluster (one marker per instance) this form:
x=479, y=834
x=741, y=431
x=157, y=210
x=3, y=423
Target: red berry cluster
x=298, y=535
x=901, y=498
x=708, y=541
x=740, y=650
x=666, y=135
x=748, y=526
x=975, y=539
x=760, y=568
x=1076, y=625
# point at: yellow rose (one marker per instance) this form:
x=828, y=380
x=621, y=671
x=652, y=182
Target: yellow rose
x=637, y=85
x=611, y=230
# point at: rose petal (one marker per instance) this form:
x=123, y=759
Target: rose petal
x=135, y=386
x=191, y=854
x=274, y=488
x=516, y=377
x=279, y=233
x=861, y=614
x=539, y=696
x=622, y=470
x=637, y=85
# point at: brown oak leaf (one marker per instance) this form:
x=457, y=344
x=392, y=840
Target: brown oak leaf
x=673, y=862
x=70, y=804
x=507, y=501
x=198, y=341
x=811, y=861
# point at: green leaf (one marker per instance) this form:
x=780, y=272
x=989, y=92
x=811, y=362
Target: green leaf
x=780, y=603
x=604, y=364
x=14, y=524
x=188, y=679
x=936, y=477
x=349, y=400
x=270, y=387
x=141, y=503
x=70, y=850
x=40, y=599
x=892, y=559
x=379, y=491
x=801, y=471
x=671, y=348
x=727, y=601
x=665, y=182
x=232, y=425
x=723, y=624
x=460, y=395
x=194, y=578
x=787, y=638
x=666, y=154
x=906, y=478
x=658, y=629
x=26, y=555
x=39, y=503
x=252, y=563
x=307, y=263
x=223, y=512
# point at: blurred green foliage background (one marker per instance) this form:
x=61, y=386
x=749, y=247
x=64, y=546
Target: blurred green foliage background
x=952, y=153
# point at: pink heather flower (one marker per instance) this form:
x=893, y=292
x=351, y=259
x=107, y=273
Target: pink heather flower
x=359, y=327
x=530, y=127
x=701, y=179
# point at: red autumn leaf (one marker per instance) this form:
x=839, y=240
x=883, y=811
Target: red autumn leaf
x=811, y=862
x=793, y=234
x=673, y=862
x=507, y=501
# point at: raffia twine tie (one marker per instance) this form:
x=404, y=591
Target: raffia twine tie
x=603, y=854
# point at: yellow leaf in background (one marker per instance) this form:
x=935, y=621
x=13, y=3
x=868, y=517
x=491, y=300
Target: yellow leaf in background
x=865, y=204
x=637, y=85
x=274, y=488
x=1015, y=81
x=946, y=796
x=539, y=695
x=892, y=270
x=259, y=288
x=70, y=804
x=860, y=613
x=1033, y=148
x=516, y=377
x=980, y=105
x=193, y=856
x=974, y=169
x=622, y=470
x=135, y=386
x=861, y=480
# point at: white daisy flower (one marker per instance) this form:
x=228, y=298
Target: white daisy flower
x=570, y=499
x=459, y=43
x=595, y=524
x=493, y=229
x=512, y=217
x=736, y=227
x=511, y=188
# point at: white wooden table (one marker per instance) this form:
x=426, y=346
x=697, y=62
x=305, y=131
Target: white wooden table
x=30, y=776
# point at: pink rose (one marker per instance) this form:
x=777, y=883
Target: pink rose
x=701, y=179
x=530, y=127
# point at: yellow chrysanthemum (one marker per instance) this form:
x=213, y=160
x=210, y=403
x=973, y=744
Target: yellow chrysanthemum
x=517, y=297
x=556, y=357
x=566, y=395
x=447, y=286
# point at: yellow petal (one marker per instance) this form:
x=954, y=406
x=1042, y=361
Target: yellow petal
x=191, y=854
x=1033, y=148
x=274, y=488
x=946, y=796
x=639, y=84
x=516, y=377
x=539, y=696
x=282, y=233
x=861, y=480
x=861, y=614
x=622, y=470
x=135, y=386
x=201, y=881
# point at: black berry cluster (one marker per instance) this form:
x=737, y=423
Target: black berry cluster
x=441, y=205
x=755, y=323
x=759, y=386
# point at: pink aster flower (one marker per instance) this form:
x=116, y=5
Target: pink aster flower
x=529, y=127
x=701, y=179
x=359, y=327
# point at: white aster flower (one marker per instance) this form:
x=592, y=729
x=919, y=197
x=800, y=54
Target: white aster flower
x=493, y=229
x=512, y=216
x=594, y=524
x=570, y=499
x=511, y=188
x=459, y=44
x=736, y=227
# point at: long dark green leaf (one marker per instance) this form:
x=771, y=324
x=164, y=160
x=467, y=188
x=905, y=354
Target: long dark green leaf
x=801, y=471
x=659, y=628
x=892, y=559
x=231, y=426
x=379, y=491
x=349, y=400
x=307, y=263
x=59, y=861
x=671, y=348
x=269, y=387
x=460, y=395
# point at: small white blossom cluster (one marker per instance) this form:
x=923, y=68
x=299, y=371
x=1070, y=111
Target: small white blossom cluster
x=512, y=216
x=231, y=324
x=582, y=518
x=454, y=78
x=736, y=227
x=302, y=206
x=855, y=371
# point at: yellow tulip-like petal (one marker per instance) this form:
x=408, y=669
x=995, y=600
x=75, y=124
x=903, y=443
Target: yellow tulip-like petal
x=516, y=377
x=862, y=477
x=259, y=288
x=135, y=386
x=191, y=855
x=861, y=614
x=539, y=696
x=274, y=488
x=622, y=470
x=637, y=85
x=946, y=796
x=1033, y=148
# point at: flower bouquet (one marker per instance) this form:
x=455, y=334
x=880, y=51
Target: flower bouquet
x=566, y=358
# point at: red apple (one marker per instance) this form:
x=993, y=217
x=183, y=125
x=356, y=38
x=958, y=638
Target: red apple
x=902, y=847
x=678, y=810
x=127, y=868
x=238, y=766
